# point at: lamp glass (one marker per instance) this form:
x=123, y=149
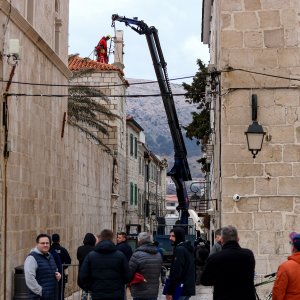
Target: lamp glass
x=255, y=136
x=255, y=141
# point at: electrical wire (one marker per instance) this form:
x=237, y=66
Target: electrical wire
x=153, y=81
x=92, y=96
x=260, y=73
x=92, y=86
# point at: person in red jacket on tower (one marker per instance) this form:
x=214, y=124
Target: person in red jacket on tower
x=101, y=50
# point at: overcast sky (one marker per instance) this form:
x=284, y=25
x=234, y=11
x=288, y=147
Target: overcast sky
x=179, y=28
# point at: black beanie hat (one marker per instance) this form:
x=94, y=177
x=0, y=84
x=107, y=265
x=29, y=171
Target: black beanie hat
x=89, y=239
x=55, y=238
x=179, y=235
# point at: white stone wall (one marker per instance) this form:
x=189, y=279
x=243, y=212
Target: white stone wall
x=258, y=36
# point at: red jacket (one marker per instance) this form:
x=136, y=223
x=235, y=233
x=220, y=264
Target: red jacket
x=287, y=283
x=102, y=46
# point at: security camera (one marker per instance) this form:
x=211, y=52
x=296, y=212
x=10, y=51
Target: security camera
x=236, y=197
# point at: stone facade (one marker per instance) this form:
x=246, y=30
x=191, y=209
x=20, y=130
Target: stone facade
x=260, y=39
x=146, y=179
x=52, y=178
x=110, y=82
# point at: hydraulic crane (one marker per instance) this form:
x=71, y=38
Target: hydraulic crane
x=180, y=172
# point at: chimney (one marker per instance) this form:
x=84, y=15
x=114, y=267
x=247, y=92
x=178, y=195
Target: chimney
x=118, y=51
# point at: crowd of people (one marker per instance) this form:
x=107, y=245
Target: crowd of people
x=107, y=269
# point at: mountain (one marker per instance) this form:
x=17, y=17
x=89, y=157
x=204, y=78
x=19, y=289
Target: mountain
x=149, y=112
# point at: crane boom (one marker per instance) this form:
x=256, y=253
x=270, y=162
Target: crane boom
x=180, y=172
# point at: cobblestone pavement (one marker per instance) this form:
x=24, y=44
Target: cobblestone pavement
x=202, y=293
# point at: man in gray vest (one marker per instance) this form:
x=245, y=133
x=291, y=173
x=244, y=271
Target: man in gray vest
x=41, y=274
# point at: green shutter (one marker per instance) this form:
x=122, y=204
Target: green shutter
x=135, y=194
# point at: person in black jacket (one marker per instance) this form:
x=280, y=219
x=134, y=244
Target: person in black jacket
x=183, y=267
x=230, y=271
x=201, y=255
x=105, y=270
x=123, y=246
x=89, y=243
x=64, y=258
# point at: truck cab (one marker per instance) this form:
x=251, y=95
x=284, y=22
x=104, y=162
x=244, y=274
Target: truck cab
x=161, y=234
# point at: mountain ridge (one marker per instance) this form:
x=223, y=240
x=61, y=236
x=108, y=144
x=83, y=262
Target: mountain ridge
x=149, y=112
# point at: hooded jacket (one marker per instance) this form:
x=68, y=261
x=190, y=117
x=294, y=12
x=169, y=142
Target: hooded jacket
x=183, y=266
x=147, y=261
x=89, y=243
x=105, y=272
x=287, y=283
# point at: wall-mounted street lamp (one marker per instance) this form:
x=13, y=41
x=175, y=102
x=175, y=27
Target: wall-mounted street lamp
x=255, y=133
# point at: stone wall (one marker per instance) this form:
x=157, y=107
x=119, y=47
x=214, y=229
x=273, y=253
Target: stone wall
x=56, y=180
x=112, y=84
x=259, y=36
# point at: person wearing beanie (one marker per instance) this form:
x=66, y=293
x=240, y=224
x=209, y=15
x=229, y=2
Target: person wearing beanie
x=182, y=269
x=65, y=260
x=89, y=243
x=287, y=282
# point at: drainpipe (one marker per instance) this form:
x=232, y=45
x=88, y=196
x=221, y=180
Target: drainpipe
x=6, y=154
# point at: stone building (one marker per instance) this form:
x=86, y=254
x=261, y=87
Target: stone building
x=146, y=177
x=53, y=179
x=254, y=48
x=110, y=80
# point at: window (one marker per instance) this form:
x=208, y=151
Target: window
x=135, y=194
x=135, y=147
x=147, y=172
x=140, y=202
x=131, y=144
x=131, y=193
x=140, y=165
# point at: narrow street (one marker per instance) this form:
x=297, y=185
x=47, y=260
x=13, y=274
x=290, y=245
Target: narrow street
x=202, y=293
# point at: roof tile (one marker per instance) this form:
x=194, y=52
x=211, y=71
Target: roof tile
x=77, y=63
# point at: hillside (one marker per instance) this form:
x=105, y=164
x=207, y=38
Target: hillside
x=149, y=112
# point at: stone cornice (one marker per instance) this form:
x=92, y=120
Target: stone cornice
x=36, y=39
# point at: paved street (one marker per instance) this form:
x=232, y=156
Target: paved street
x=202, y=293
